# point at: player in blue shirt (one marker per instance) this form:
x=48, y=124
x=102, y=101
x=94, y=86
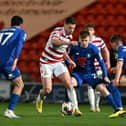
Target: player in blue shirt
x=84, y=55
x=11, y=43
x=117, y=42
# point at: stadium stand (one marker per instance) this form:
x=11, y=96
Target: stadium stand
x=107, y=15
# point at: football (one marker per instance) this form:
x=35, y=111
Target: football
x=67, y=108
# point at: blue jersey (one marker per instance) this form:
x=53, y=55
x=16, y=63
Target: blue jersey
x=122, y=55
x=11, y=43
x=84, y=59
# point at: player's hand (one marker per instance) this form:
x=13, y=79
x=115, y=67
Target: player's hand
x=72, y=64
x=106, y=79
x=115, y=82
x=113, y=70
x=74, y=42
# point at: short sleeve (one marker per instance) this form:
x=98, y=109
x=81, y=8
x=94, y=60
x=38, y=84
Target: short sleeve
x=120, y=54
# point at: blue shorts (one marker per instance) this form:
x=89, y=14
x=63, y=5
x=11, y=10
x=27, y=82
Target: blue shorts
x=90, y=79
x=10, y=75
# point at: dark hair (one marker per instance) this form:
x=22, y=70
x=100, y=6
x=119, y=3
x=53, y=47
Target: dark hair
x=70, y=20
x=16, y=20
x=89, y=26
x=116, y=39
x=84, y=34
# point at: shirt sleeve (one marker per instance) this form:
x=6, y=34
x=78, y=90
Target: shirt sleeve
x=56, y=34
x=103, y=44
x=120, y=54
x=21, y=39
x=101, y=62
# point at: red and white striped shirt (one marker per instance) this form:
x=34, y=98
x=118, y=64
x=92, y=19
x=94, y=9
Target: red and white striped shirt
x=99, y=43
x=54, y=53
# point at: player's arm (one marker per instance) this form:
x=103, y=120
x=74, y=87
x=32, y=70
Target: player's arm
x=18, y=49
x=14, y=64
x=118, y=72
x=19, y=45
x=101, y=62
x=103, y=67
x=69, y=60
x=58, y=40
x=119, y=66
x=106, y=56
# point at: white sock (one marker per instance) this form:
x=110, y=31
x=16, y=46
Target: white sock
x=91, y=97
x=73, y=97
x=97, y=98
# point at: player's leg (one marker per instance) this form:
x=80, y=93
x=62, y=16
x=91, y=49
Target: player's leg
x=62, y=73
x=46, y=76
x=47, y=87
x=102, y=88
x=66, y=79
x=97, y=100
x=97, y=93
x=17, y=81
x=75, y=84
x=116, y=95
x=106, y=93
x=91, y=98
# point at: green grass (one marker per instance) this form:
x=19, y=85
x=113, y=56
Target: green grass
x=52, y=117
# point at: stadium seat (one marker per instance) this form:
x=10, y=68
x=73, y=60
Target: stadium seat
x=23, y=66
x=108, y=17
x=27, y=45
x=24, y=55
x=121, y=20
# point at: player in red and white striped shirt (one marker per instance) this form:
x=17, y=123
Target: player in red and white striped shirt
x=51, y=62
x=93, y=95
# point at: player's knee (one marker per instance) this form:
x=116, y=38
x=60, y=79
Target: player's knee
x=20, y=85
x=102, y=89
x=47, y=90
x=18, y=82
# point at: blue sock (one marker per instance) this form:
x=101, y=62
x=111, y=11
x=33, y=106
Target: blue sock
x=111, y=101
x=13, y=101
x=116, y=95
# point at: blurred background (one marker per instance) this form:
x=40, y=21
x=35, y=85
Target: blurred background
x=40, y=18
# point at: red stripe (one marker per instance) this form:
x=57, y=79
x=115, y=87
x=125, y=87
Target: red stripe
x=102, y=44
x=60, y=53
x=52, y=56
x=70, y=38
x=99, y=46
x=96, y=41
x=97, y=65
x=50, y=61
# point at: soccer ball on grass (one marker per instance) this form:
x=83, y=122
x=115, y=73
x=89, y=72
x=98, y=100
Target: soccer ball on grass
x=67, y=108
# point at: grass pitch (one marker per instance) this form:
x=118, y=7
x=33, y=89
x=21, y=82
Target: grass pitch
x=51, y=116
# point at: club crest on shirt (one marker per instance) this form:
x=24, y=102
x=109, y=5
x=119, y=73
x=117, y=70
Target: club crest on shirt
x=77, y=53
x=88, y=55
